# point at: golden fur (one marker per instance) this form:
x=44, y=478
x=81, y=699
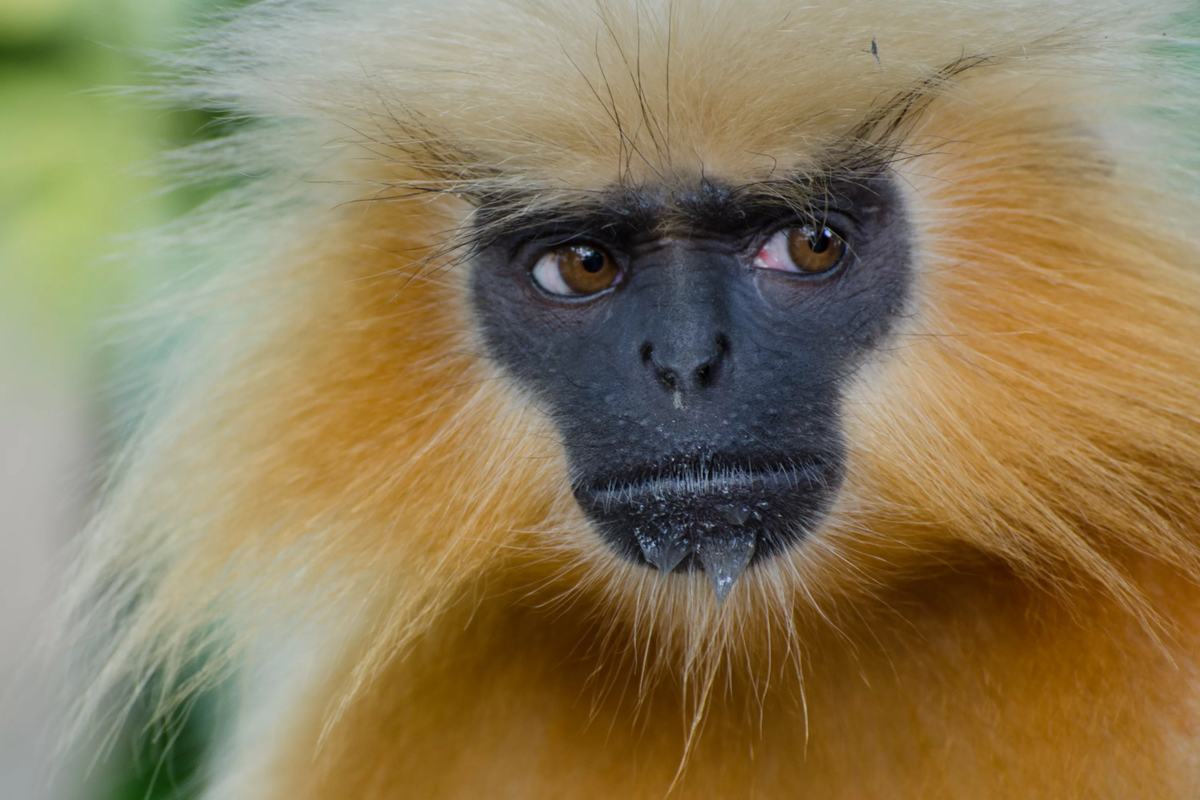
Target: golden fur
x=999, y=605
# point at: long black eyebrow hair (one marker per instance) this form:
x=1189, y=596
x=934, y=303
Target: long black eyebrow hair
x=709, y=206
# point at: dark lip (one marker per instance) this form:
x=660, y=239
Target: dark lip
x=713, y=475
x=715, y=513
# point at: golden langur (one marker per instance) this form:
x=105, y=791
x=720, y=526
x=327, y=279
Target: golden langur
x=678, y=398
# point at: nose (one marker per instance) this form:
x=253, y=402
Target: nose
x=686, y=363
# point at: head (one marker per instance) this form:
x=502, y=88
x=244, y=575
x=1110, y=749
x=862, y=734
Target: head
x=711, y=316
x=692, y=345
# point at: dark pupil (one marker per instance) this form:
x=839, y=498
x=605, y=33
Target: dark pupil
x=591, y=260
x=819, y=241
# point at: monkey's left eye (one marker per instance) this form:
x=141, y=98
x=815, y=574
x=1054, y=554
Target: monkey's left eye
x=808, y=250
x=577, y=269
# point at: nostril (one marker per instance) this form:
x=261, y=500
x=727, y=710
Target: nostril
x=706, y=373
x=674, y=374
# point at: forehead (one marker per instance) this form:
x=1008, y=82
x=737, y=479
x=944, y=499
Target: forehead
x=633, y=93
x=597, y=93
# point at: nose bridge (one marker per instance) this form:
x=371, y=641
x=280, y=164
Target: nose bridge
x=688, y=338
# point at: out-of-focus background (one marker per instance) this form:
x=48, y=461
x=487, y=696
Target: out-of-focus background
x=75, y=174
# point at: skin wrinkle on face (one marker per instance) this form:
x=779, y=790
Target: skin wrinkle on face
x=664, y=463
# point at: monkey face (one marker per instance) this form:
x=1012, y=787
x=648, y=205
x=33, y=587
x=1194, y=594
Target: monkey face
x=692, y=348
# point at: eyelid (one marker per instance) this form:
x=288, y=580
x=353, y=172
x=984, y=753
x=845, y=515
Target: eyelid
x=528, y=249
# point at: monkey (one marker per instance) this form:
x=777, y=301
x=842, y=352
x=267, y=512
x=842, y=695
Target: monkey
x=676, y=398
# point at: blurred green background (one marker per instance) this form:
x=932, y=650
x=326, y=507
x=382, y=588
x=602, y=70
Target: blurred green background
x=76, y=174
x=74, y=160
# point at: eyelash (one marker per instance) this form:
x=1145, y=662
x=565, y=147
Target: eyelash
x=531, y=246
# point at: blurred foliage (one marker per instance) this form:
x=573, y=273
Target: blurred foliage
x=73, y=158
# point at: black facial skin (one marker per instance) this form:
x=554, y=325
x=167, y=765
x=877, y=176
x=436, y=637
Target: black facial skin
x=699, y=398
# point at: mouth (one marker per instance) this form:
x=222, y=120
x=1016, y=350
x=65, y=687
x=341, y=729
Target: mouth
x=714, y=514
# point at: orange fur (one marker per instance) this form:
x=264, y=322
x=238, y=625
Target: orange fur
x=1000, y=602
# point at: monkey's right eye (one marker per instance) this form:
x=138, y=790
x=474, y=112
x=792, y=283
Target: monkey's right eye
x=575, y=270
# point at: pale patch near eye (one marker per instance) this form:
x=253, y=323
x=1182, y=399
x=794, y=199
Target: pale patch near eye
x=774, y=254
x=547, y=273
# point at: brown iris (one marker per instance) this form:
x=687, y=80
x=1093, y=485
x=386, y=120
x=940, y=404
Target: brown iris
x=576, y=269
x=815, y=249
